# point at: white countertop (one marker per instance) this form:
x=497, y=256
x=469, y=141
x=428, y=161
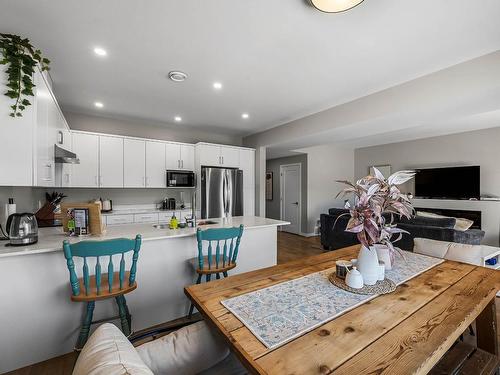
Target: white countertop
x=50, y=239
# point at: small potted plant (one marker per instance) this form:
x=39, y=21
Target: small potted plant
x=375, y=200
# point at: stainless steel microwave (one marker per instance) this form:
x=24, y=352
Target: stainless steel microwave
x=184, y=179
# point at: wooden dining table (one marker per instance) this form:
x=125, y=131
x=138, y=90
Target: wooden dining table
x=404, y=332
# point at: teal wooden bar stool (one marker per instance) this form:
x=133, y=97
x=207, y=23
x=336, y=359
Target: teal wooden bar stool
x=91, y=288
x=227, y=243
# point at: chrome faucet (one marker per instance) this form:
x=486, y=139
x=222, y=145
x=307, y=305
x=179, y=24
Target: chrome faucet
x=191, y=222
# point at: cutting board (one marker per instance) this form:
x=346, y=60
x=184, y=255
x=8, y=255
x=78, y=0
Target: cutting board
x=96, y=225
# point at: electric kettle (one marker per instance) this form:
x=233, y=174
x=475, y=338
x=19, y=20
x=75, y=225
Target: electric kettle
x=22, y=229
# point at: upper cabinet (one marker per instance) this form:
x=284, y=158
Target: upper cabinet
x=86, y=147
x=16, y=135
x=218, y=156
x=27, y=150
x=179, y=156
x=134, y=163
x=110, y=161
x=155, y=165
x=187, y=157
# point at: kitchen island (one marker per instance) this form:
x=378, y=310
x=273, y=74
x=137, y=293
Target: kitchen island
x=39, y=321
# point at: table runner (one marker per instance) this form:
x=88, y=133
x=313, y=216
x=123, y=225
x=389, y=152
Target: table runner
x=285, y=311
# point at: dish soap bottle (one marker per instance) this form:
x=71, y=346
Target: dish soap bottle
x=173, y=222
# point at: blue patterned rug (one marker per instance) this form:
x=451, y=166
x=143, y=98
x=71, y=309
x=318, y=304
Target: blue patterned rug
x=285, y=311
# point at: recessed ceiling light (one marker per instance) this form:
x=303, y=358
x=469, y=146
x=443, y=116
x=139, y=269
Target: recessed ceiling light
x=100, y=51
x=177, y=76
x=245, y=115
x=99, y=104
x=217, y=85
x=335, y=6
x=178, y=118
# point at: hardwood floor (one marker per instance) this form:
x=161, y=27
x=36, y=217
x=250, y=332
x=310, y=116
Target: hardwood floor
x=290, y=247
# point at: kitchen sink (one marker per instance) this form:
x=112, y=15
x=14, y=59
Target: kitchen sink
x=160, y=226
x=207, y=222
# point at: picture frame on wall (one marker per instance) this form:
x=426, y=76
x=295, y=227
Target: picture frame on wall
x=269, y=186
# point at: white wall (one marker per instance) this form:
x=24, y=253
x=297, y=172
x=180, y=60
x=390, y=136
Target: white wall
x=147, y=129
x=326, y=164
x=471, y=148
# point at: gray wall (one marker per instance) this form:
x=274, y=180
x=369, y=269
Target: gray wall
x=146, y=129
x=471, y=148
x=273, y=207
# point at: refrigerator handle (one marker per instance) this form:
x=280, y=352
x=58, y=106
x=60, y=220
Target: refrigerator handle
x=224, y=194
x=226, y=190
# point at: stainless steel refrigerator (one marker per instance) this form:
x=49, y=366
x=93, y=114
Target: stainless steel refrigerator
x=221, y=192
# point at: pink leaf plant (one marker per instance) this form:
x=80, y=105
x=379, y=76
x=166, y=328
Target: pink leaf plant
x=373, y=197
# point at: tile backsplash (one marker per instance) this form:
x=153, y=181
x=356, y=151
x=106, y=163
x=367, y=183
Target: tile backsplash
x=28, y=199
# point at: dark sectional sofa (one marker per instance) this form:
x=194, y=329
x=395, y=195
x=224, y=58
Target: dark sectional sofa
x=334, y=236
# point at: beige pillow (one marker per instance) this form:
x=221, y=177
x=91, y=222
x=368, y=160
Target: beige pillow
x=458, y=252
x=108, y=352
x=189, y=350
x=433, y=248
x=461, y=224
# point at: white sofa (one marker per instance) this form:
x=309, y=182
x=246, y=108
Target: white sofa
x=193, y=349
x=472, y=254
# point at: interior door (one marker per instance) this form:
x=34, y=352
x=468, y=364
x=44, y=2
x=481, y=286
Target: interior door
x=290, y=197
x=155, y=165
x=134, y=163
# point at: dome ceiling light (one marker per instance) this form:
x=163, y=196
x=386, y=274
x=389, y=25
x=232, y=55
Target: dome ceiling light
x=334, y=6
x=177, y=76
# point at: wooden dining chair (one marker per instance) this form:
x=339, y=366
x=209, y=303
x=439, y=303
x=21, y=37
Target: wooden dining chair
x=99, y=286
x=221, y=253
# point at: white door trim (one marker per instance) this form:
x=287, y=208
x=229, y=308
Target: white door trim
x=300, y=193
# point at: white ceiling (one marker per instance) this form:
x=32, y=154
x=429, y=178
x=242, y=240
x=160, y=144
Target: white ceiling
x=278, y=60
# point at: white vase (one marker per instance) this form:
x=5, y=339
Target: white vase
x=384, y=255
x=368, y=265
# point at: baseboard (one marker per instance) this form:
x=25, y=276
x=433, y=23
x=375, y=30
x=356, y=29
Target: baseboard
x=308, y=234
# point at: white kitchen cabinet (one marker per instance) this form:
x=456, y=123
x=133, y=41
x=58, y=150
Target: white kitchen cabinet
x=86, y=148
x=179, y=156
x=146, y=218
x=134, y=163
x=218, y=155
x=16, y=141
x=155, y=165
x=172, y=156
x=209, y=155
x=110, y=161
x=46, y=118
x=187, y=157
x=119, y=219
x=247, y=165
x=230, y=157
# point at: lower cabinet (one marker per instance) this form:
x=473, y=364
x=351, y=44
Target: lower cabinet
x=146, y=218
x=119, y=219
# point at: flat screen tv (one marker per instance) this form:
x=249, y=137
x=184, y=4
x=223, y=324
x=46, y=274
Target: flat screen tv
x=448, y=183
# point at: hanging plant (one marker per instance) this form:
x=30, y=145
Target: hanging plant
x=21, y=59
